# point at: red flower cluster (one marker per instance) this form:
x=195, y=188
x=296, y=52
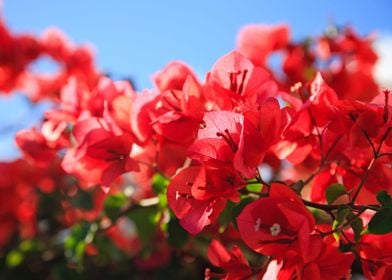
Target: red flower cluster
x=324, y=134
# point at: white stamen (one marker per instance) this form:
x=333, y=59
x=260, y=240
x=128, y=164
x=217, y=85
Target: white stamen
x=275, y=229
x=178, y=195
x=257, y=224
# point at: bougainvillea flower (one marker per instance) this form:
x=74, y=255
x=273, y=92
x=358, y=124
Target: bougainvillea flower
x=100, y=150
x=233, y=262
x=288, y=229
x=234, y=83
x=258, y=41
x=173, y=76
x=323, y=261
x=35, y=147
x=375, y=252
x=198, y=194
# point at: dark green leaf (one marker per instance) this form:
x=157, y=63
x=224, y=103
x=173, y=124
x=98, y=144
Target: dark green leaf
x=384, y=198
x=344, y=247
x=237, y=209
x=114, y=204
x=75, y=243
x=357, y=226
x=343, y=212
x=334, y=191
x=83, y=200
x=225, y=217
x=177, y=235
x=146, y=220
x=381, y=222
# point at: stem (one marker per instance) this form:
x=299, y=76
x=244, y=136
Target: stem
x=323, y=160
x=328, y=208
x=342, y=226
x=364, y=178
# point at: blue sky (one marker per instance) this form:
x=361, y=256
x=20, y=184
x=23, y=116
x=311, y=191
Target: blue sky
x=136, y=38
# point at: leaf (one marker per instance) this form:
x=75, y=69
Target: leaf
x=177, y=235
x=237, y=209
x=336, y=234
x=357, y=226
x=254, y=187
x=159, y=183
x=83, y=200
x=76, y=242
x=384, y=198
x=334, y=191
x=146, y=220
x=114, y=204
x=381, y=223
x=343, y=212
x=14, y=258
x=345, y=247
x=225, y=217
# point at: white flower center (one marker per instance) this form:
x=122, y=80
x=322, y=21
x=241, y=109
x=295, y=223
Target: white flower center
x=275, y=229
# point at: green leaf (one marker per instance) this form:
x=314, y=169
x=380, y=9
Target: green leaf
x=177, y=235
x=357, y=226
x=159, y=183
x=334, y=191
x=14, y=258
x=381, y=222
x=254, y=187
x=336, y=234
x=83, y=200
x=343, y=212
x=114, y=204
x=225, y=217
x=384, y=198
x=237, y=209
x=146, y=220
x=162, y=200
x=344, y=247
x=75, y=243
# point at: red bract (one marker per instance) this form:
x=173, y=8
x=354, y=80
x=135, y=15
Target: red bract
x=99, y=151
x=16, y=52
x=234, y=263
x=234, y=83
x=173, y=76
x=257, y=42
x=323, y=261
x=288, y=229
x=35, y=147
x=375, y=252
x=198, y=194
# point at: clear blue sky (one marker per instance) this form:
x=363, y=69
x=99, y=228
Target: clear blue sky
x=136, y=38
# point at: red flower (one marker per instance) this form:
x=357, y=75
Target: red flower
x=258, y=41
x=234, y=83
x=375, y=252
x=99, y=151
x=198, y=194
x=278, y=224
x=234, y=263
x=323, y=261
x=35, y=147
x=173, y=76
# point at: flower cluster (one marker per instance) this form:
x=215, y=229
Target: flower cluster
x=291, y=169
